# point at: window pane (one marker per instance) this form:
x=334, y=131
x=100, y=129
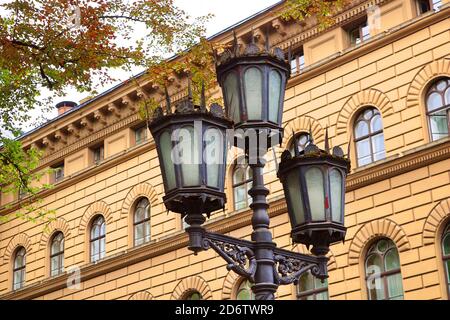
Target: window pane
x=245, y=292
x=446, y=244
x=316, y=193
x=240, y=196
x=194, y=296
x=363, y=151
x=187, y=150
x=138, y=234
x=376, y=123
x=94, y=250
x=447, y=97
x=232, y=95
x=301, y=62
x=306, y=282
x=362, y=129
x=375, y=288
x=322, y=296
x=378, y=147
x=253, y=93
x=166, y=148
x=55, y=266
x=365, y=33
x=434, y=101
x=439, y=126
x=447, y=264
x=294, y=65
x=391, y=260
x=274, y=95
x=374, y=264
x=102, y=248
x=395, y=287
x=239, y=175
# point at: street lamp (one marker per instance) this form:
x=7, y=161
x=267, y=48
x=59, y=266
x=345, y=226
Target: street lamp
x=314, y=185
x=253, y=83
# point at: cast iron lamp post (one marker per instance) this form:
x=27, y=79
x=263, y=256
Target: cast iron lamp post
x=192, y=148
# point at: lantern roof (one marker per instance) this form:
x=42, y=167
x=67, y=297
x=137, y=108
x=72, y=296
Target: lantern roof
x=251, y=50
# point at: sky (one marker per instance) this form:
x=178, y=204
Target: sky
x=226, y=13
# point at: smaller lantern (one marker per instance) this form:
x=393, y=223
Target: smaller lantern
x=191, y=146
x=314, y=186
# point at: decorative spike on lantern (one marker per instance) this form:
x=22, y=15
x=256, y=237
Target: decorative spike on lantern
x=294, y=143
x=189, y=89
x=327, y=144
x=168, y=106
x=311, y=138
x=203, y=97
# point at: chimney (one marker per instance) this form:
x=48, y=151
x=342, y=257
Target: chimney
x=65, y=106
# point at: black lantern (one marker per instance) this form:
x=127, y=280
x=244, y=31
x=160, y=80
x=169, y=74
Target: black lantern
x=253, y=83
x=191, y=146
x=314, y=187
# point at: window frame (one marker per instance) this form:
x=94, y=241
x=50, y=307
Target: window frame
x=141, y=222
x=59, y=168
x=445, y=107
x=432, y=6
x=246, y=182
x=446, y=258
x=101, y=150
x=142, y=140
x=385, y=274
x=21, y=269
x=101, y=237
x=299, y=65
x=59, y=254
x=359, y=25
x=360, y=117
x=303, y=295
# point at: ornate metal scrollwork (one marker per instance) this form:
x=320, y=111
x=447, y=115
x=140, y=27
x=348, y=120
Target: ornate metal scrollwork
x=289, y=269
x=240, y=259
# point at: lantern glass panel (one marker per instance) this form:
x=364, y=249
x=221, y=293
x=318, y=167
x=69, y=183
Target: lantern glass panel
x=232, y=96
x=213, y=155
x=315, y=187
x=274, y=95
x=336, y=195
x=295, y=197
x=166, y=153
x=253, y=93
x=188, y=151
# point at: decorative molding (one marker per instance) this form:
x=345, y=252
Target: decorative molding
x=19, y=240
x=374, y=229
x=428, y=73
x=142, y=295
x=406, y=162
x=332, y=265
x=439, y=215
x=305, y=124
x=229, y=284
x=99, y=207
x=369, y=97
x=187, y=285
x=138, y=191
x=52, y=227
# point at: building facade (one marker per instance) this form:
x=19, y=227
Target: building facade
x=378, y=79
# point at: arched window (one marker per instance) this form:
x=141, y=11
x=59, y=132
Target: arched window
x=97, y=240
x=446, y=256
x=438, y=106
x=19, y=268
x=312, y=288
x=141, y=222
x=244, y=291
x=301, y=140
x=57, y=254
x=383, y=276
x=242, y=182
x=193, y=295
x=369, y=137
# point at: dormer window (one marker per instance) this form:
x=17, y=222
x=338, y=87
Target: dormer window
x=424, y=6
x=297, y=61
x=98, y=153
x=358, y=32
x=58, y=172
